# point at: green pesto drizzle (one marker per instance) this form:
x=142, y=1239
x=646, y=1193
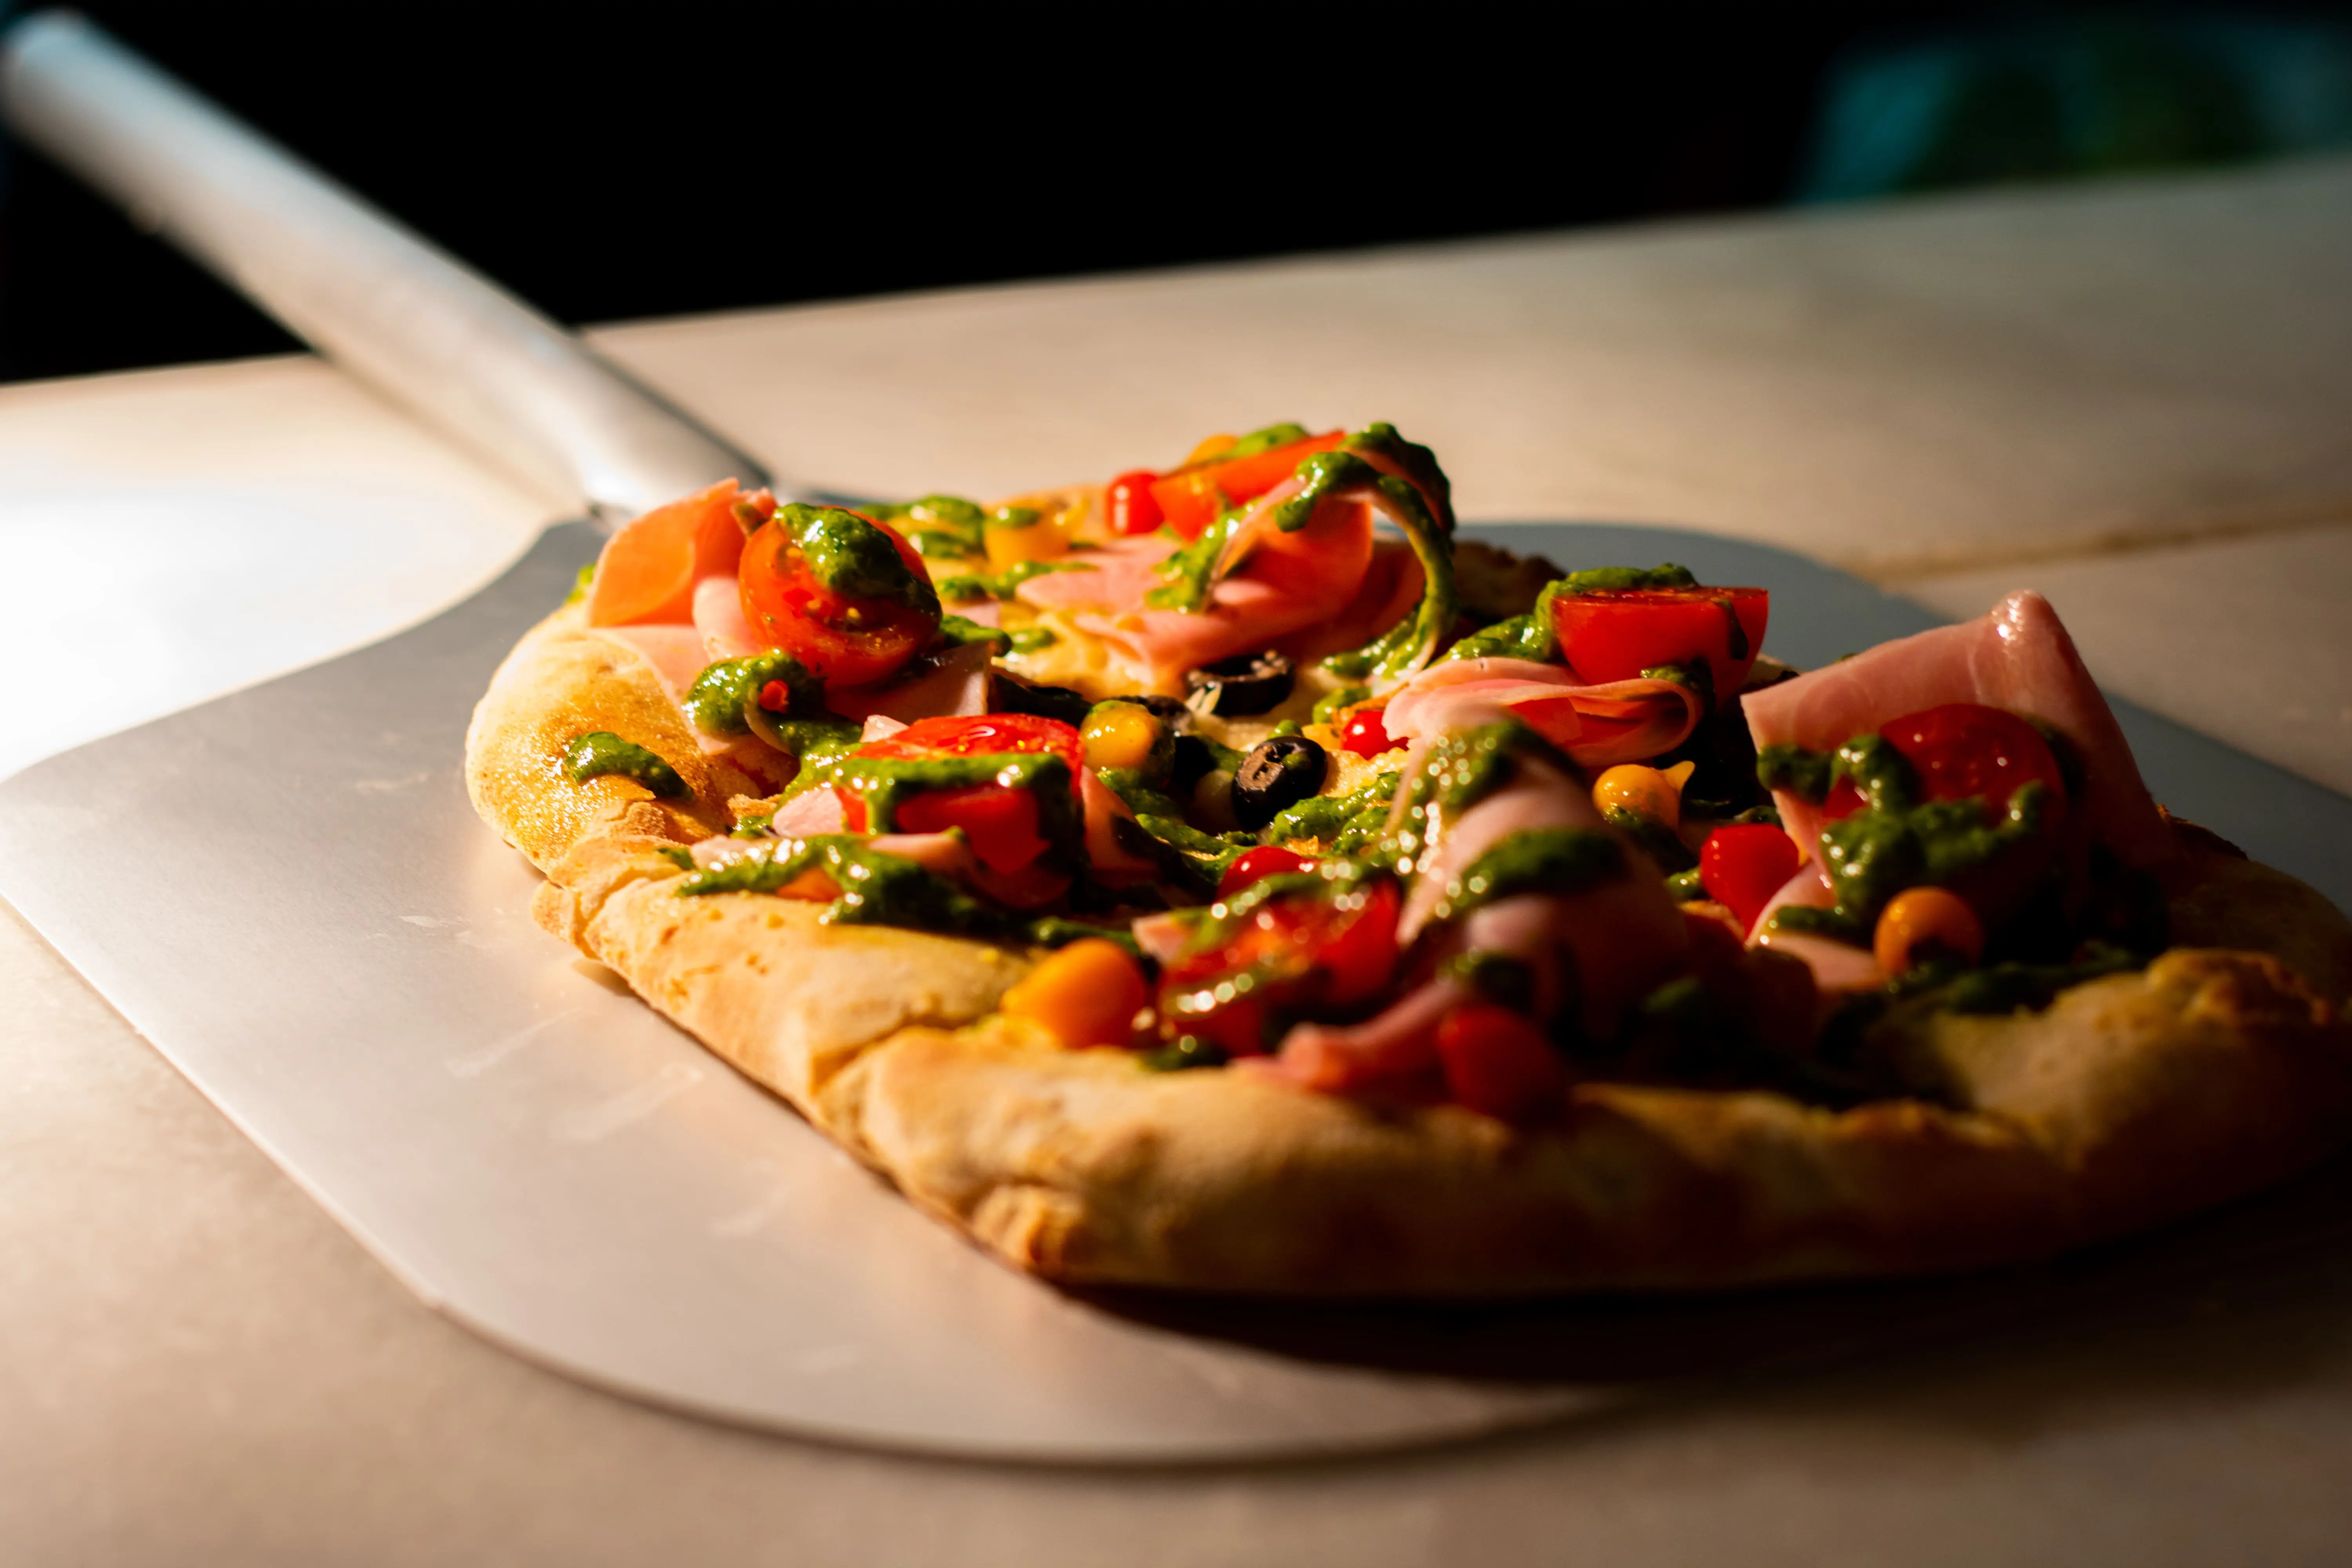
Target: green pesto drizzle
x=716, y=700
x=1653, y=838
x=1533, y=860
x=856, y=559
x=971, y=588
x=1457, y=771
x=937, y=526
x=1801, y=772
x=1343, y=824
x=875, y=888
x=1032, y=639
x=957, y=629
x=600, y=751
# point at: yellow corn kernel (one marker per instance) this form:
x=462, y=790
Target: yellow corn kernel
x=1210, y=449
x=1086, y=995
x=1025, y=534
x=1922, y=918
x=1644, y=791
x=1120, y=735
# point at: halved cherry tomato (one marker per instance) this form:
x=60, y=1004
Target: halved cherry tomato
x=1615, y=633
x=1306, y=949
x=1000, y=823
x=1499, y=1062
x=1188, y=498
x=1367, y=733
x=1130, y=504
x=1257, y=865
x=1742, y=865
x=843, y=641
x=1965, y=751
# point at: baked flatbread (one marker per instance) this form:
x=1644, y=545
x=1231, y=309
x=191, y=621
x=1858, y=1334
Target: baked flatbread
x=1928, y=1136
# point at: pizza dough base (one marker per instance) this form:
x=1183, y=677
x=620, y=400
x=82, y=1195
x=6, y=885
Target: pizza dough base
x=2133, y=1100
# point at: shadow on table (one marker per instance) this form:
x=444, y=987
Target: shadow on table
x=2291, y=1235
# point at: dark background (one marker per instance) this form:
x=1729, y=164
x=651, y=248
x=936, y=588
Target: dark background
x=649, y=160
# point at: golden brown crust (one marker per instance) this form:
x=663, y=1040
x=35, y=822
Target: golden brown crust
x=562, y=681
x=2131, y=1099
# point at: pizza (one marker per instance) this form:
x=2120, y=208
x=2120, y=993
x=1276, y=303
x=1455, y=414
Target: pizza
x=1225, y=878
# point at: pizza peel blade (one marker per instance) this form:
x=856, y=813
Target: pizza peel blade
x=288, y=893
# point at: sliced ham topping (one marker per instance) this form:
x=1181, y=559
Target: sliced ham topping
x=879, y=727
x=1537, y=797
x=718, y=616
x=809, y=813
x=1618, y=940
x=956, y=685
x=1162, y=937
x=1622, y=722
x=1119, y=573
x=648, y=570
x=1395, y=1043
x=1837, y=966
x=948, y=854
x=2019, y=659
x=1266, y=585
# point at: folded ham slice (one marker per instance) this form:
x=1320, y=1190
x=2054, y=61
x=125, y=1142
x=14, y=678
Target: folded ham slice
x=2018, y=657
x=1265, y=586
x=1621, y=722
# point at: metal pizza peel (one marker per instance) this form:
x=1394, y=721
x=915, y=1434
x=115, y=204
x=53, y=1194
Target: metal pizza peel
x=287, y=892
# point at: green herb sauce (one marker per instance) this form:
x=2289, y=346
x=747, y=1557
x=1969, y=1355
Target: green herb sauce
x=854, y=559
x=957, y=629
x=971, y=588
x=600, y=751
x=1534, y=860
x=719, y=695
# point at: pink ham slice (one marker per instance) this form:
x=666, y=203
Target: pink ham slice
x=1622, y=722
x=675, y=653
x=2019, y=659
x=1837, y=966
x=811, y=812
x=1268, y=584
x=718, y=617
x=1618, y=940
x=956, y=685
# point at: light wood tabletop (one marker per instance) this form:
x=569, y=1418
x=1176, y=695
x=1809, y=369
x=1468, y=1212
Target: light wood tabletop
x=2135, y=397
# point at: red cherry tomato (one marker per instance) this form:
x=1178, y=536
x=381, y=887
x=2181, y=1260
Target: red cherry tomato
x=843, y=641
x=1130, y=504
x=1000, y=823
x=1307, y=948
x=1188, y=498
x=1498, y=1062
x=1367, y=733
x=1615, y=633
x=1965, y=751
x=1257, y=865
x=1741, y=867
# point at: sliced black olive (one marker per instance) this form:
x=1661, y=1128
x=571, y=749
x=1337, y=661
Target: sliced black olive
x=1169, y=711
x=1008, y=695
x=1283, y=770
x=1238, y=687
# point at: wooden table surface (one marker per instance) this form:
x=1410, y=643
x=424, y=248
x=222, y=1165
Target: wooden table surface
x=2136, y=397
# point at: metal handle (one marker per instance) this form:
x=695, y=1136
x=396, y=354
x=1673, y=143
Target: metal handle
x=460, y=352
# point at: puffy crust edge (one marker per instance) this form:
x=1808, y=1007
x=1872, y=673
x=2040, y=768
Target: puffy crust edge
x=2131, y=1101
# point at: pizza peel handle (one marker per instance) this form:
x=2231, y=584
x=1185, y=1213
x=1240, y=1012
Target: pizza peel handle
x=461, y=353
